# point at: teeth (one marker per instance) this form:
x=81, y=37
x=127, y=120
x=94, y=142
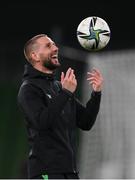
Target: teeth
x=54, y=56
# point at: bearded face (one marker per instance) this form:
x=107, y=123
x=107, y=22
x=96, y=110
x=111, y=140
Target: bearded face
x=47, y=53
x=51, y=63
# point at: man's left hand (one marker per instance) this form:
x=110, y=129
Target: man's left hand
x=95, y=79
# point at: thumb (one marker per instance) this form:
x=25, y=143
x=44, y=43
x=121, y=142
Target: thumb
x=62, y=76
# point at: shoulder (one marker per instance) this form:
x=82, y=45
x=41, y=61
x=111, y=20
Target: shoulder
x=28, y=88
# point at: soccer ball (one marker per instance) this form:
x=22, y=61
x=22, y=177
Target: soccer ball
x=93, y=33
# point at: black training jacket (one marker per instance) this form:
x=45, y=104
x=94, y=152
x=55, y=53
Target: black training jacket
x=52, y=115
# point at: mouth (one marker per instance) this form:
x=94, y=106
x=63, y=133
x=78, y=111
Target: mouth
x=55, y=59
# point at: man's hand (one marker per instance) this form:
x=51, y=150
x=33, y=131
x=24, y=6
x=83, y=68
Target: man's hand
x=95, y=79
x=69, y=81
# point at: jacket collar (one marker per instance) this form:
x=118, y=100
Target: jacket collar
x=31, y=73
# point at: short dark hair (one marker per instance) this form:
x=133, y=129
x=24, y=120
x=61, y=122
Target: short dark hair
x=28, y=47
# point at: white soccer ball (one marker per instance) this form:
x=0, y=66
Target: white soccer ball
x=93, y=33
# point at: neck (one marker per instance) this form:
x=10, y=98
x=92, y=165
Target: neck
x=43, y=69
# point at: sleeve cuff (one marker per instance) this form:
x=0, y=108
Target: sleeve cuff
x=96, y=93
x=67, y=92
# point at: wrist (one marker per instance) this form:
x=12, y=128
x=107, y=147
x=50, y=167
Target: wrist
x=67, y=91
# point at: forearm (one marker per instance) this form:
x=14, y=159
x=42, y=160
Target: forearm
x=92, y=108
x=87, y=115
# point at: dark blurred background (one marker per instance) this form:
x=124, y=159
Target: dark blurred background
x=19, y=22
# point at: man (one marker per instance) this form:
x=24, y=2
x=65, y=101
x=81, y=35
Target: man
x=52, y=112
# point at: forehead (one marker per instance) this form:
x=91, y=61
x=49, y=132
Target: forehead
x=44, y=40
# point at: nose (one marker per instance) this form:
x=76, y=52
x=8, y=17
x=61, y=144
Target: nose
x=55, y=48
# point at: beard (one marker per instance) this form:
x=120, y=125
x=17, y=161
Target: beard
x=49, y=64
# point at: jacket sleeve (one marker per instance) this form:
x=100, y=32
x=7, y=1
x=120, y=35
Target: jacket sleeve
x=33, y=104
x=86, y=116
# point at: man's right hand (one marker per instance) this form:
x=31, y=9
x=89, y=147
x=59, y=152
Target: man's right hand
x=68, y=80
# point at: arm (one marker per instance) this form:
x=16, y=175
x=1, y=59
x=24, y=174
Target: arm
x=35, y=108
x=86, y=116
x=39, y=113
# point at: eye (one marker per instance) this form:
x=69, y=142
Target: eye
x=54, y=44
x=48, y=45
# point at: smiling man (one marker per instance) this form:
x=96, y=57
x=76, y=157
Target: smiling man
x=52, y=112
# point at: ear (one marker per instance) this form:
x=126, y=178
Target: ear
x=35, y=57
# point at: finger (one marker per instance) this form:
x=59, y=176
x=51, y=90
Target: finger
x=92, y=78
x=92, y=75
x=72, y=75
x=96, y=71
x=93, y=82
x=68, y=73
x=62, y=76
x=96, y=75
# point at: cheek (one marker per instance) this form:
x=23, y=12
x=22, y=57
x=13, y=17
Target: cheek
x=44, y=56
